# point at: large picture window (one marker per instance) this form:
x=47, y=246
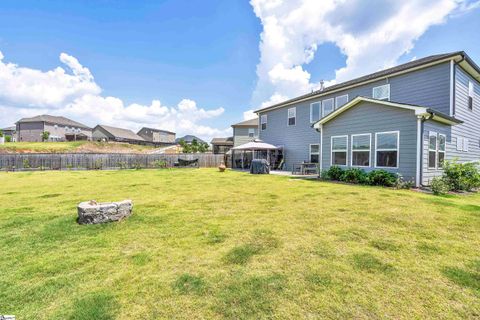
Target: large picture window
x=315, y=111
x=327, y=106
x=314, y=153
x=387, y=149
x=361, y=150
x=292, y=116
x=263, y=122
x=339, y=146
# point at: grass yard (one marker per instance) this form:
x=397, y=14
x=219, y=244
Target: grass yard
x=206, y=245
x=71, y=146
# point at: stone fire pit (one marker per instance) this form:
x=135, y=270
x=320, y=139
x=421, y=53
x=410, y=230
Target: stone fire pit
x=91, y=212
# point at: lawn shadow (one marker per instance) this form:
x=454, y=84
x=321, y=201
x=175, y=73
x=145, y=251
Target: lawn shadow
x=260, y=242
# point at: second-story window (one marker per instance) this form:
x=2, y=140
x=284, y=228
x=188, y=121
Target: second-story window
x=341, y=100
x=327, y=106
x=315, y=111
x=292, y=116
x=471, y=93
x=251, y=132
x=263, y=122
x=381, y=92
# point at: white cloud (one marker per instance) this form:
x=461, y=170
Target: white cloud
x=74, y=93
x=373, y=35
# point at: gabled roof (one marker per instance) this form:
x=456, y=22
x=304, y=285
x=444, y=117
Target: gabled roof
x=189, y=138
x=156, y=130
x=54, y=120
x=247, y=123
x=13, y=128
x=459, y=56
x=223, y=141
x=434, y=115
x=120, y=132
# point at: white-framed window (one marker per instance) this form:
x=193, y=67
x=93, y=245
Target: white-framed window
x=327, y=106
x=436, y=150
x=263, y=122
x=292, y=116
x=314, y=153
x=315, y=111
x=339, y=147
x=251, y=132
x=387, y=149
x=432, y=150
x=462, y=144
x=360, y=156
x=381, y=92
x=442, y=144
x=341, y=100
x=471, y=93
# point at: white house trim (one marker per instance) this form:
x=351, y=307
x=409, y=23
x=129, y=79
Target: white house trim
x=331, y=151
x=369, y=150
x=419, y=151
x=452, y=86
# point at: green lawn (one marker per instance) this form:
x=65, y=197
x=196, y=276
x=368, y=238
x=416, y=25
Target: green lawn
x=207, y=245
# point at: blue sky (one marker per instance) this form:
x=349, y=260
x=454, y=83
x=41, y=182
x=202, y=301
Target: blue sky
x=204, y=51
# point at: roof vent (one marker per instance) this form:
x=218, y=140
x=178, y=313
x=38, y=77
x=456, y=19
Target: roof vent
x=322, y=85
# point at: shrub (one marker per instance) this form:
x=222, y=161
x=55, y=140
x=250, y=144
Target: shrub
x=439, y=186
x=334, y=173
x=162, y=164
x=461, y=176
x=354, y=175
x=8, y=139
x=382, y=178
x=404, y=184
x=324, y=175
x=26, y=163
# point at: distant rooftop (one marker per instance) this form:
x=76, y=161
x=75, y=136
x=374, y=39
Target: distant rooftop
x=121, y=133
x=222, y=141
x=188, y=139
x=54, y=120
x=157, y=130
x=247, y=123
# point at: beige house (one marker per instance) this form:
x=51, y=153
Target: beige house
x=157, y=137
x=108, y=133
x=245, y=131
x=60, y=129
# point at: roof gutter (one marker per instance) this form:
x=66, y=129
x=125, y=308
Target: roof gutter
x=324, y=93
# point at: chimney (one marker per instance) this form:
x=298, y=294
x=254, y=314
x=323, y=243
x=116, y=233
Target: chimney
x=322, y=85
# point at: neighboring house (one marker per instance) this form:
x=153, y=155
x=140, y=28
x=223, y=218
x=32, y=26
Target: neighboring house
x=10, y=132
x=245, y=131
x=157, y=137
x=221, y=145
x=407, y=119
x=60, y=129
x=108, y=133
x=189, y=139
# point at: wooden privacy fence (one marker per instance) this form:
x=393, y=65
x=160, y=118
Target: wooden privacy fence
x=90, y=161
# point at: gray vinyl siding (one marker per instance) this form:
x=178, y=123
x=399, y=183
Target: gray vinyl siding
x=240, y=135
x=432, y=126
x=372, y=118
x=296, y=139
x=100, y=134
x=471, y=127
x=427, y=87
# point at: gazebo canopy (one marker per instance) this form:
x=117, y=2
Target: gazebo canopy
x=256, y=145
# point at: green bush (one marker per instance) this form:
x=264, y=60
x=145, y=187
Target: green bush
x=334, y=173
x=161, y=164
x=382, y=178
x=8, y=139
x=461, y=176
x=404, y=184
x=439, y=186
x=354, y=175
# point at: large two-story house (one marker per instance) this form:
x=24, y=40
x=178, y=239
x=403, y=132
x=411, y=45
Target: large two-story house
x=407, y=119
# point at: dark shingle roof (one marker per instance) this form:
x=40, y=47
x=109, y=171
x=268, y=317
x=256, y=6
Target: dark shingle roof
x=188, y=139
x=13, y=128
x=55, y=120
x=375, y=75
x=222, y=141
x=156, y=130
x=247, y=123
x=121, y=133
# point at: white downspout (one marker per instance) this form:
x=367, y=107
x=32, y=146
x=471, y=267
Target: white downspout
x=419, y=150
x=452, y=86
x=321, y=149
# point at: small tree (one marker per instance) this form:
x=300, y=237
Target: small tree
x=45, y=135
x=1, y=133
x=195, y=145
x=203, y=147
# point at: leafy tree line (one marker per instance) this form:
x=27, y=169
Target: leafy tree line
x=193, y=147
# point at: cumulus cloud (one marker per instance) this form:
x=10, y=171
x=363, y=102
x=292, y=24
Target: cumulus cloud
x=74, y=93
x=372, y=35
